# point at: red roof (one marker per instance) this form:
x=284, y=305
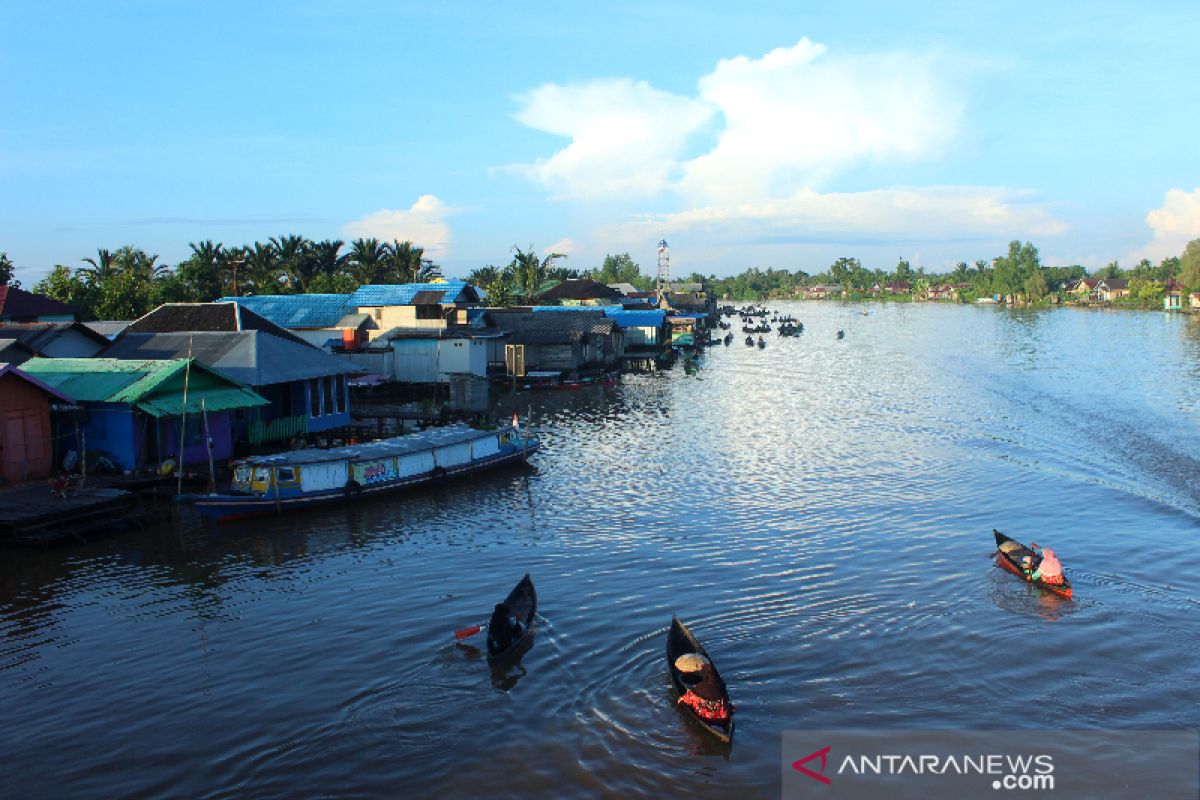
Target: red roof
x=18, y=304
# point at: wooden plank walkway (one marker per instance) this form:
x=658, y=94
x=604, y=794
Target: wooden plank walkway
x=30, y=514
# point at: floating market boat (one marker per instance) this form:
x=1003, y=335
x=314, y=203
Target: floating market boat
x=680, y=641
x=301, y=479
x=1010, y=552
x=503, y=640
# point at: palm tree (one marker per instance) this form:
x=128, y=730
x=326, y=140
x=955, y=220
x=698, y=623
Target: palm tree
x=530, y=270
x=262, y=268
x=136, y=262
x=200, y=274
x=404, y=262
x=102, y=267
x=326, y=258
x=367, y=259
x=295, y=258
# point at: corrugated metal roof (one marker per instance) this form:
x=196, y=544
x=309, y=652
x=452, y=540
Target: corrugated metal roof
x=169, y=404
x=16, y=303
x=402, y=294
x=254, y=358
x=111, y=380
x=11, y=369
x=297, y=310
x=102, y=380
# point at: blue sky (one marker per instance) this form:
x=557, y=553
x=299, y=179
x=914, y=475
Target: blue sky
x=773, y=135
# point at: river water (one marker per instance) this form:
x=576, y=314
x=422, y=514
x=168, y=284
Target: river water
x=819, y=512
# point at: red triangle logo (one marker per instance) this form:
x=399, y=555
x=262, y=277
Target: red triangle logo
x=822, y=754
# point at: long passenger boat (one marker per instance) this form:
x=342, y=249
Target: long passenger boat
x=301, y=479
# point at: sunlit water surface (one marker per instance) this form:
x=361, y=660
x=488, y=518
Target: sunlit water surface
x=820, y=512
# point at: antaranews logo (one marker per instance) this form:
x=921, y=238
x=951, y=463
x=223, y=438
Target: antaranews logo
x=866, y=764
x=819, y=775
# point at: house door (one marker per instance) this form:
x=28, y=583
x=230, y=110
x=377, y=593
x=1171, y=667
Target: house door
x=21, y=447
x=514, y=359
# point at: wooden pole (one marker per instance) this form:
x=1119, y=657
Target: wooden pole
x=212, y=473
x=187, y=373
x=275, y=481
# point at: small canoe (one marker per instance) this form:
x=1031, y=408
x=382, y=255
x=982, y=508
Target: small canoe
x=1010, y=552
x=502, y=640
x=679, y=641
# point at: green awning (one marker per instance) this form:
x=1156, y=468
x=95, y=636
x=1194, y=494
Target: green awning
x=170, y=404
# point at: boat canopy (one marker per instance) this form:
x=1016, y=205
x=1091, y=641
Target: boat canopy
x=396, y=446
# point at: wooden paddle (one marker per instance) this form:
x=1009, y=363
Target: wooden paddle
x=468, y=632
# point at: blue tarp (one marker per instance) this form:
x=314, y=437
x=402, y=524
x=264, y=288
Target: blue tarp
x=297, y=310
x=384, y=294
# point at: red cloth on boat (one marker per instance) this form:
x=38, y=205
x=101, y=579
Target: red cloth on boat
x=708, y=710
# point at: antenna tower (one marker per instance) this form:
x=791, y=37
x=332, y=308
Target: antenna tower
x=664, y=265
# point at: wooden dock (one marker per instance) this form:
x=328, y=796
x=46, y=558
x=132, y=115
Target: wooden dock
x=30, y=514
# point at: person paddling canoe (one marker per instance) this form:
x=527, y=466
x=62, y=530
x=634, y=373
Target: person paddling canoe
x=706, y=693
x=1049, y=569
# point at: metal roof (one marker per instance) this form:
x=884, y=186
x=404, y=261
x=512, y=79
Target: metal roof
x=297, y=310
x=403, y=294
x=254, y=358
x=16, y=303
x=11, y=369
x=396, y=446
x=579, y=289
x=141, y=383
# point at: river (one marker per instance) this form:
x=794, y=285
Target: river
x=819, y=512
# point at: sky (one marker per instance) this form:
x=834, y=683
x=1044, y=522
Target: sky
x=759, y=134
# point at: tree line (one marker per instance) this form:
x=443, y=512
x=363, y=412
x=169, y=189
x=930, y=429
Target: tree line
x=1018, y=272
x=127, y=282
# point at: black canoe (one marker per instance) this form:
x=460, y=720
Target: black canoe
x=522, y=601
x=1009, y=553
x=680, y=641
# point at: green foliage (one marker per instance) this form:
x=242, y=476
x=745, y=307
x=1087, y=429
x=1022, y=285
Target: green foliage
x=6, y=270
x=1189, y=265
x=622, y=269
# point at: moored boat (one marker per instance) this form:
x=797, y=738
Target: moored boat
x=310, y=477
x=679, y=642
x=1009, y=554
x=503, y=638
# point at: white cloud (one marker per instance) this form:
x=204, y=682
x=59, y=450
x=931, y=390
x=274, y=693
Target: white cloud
x=1174, y=225
x=790, y=119
x=798, y=115
x=567, y=247
x=423, y=224
x=625, y=136
x=905, y=214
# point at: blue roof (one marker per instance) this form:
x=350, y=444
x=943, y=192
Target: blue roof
x=390, y=294
x=618, y=314
x=297, y=310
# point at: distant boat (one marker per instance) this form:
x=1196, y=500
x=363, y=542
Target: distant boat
x=301, y=479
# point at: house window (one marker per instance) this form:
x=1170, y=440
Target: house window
x=379, y=313
x=339, y=394
x=429, y=312
x=328, y=394
x=314, y=395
